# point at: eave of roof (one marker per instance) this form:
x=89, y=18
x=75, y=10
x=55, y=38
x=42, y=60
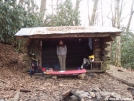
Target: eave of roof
x=66, y=30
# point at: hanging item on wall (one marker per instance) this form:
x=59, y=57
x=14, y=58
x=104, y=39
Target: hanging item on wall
x=90, y=43
x=91, y=57
x=79, y=40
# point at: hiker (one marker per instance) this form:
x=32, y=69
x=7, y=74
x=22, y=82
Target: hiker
x=34, y=64
x=62, y=52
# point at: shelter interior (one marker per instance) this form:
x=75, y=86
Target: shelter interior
x=77, y=49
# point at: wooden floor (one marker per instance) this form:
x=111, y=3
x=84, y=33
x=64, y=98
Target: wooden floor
x=88, y=69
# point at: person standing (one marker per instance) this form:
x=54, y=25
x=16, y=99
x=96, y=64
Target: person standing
x=62, y=52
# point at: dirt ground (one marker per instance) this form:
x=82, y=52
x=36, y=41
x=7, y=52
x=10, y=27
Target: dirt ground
x=122, y=73
x=47, y=88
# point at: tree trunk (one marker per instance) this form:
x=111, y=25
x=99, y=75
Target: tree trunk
x=88, y=11
x=130, y=18
x=117, y=14
x=43, y=8
x=118, y=52
x=101, y=14
x=118, y=38
x=52, y=7
x=93, y=17
x=77, y=5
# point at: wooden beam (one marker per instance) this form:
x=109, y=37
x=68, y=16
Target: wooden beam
x=72, y=35
x=41, y=53
x=109, y=38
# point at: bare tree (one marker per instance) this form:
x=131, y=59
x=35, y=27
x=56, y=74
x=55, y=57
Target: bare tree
x=52, y=5
x=101, y=14
x=116, y=19
x=131, y=15
x=88, y=11
x=43, y=8
x=77, y=4
x=118, y=38
x=119, y=5
x=94, y=12
x=93, y=16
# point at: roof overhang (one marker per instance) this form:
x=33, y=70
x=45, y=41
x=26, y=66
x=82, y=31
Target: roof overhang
x=68, y=32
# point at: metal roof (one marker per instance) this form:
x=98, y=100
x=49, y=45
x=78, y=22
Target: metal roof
x=65, y=30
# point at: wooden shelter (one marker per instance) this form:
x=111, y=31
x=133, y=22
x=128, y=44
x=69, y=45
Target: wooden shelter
x=81, y=42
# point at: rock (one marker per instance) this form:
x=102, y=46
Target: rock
x=79, y=91
x=126, y=99
x=115, y=95
x=97, y=94
x=81, y=76
x=73, y=98
x=92, y=94
x=82, y=99
x=85, y=95
x=104, y=94
x=96, y=89
x=107, y=98
x=17, y=96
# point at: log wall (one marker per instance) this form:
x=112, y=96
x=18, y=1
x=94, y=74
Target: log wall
x=102, y=52
x=106, y=54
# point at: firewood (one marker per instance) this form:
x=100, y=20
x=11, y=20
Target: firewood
x=120, y=70
x=79, y=98
x=131, y=89
x=70, y=93
x=66, y=94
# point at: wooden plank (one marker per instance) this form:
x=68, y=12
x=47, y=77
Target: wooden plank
x=68, y=72
x=96, y=71
x=96, y=61
x=41, y=54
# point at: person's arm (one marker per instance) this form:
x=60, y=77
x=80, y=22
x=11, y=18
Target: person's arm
x=66, y=49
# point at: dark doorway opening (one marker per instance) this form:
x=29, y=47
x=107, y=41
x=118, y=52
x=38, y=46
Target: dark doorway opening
x=77, y=49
